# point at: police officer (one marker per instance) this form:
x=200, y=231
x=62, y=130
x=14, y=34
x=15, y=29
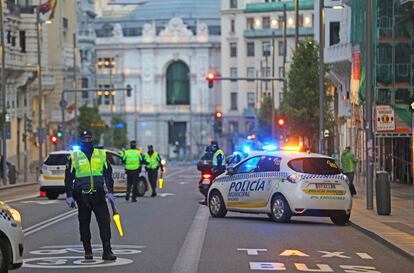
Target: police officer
x=219, y=160
x=153, y=163
x=86, y=173
x=133, y=162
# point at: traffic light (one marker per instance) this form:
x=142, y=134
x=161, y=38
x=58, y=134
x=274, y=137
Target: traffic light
x=54, y=139
x=59, y=131
x=211, y=78
x=29, y=125
x=218, y=122
x=281, y=122
x=128, y=90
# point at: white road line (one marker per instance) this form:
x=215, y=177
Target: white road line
x=178, y=172
x=50, y=223
x=364, y=256
x=190, y=252
x=45, y=222
x=22, y=198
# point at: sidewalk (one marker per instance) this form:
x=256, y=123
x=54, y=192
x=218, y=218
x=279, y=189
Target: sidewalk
x=395, y=230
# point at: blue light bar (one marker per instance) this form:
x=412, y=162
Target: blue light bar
x=75, y=148
x=246, y=149
x=270, y=147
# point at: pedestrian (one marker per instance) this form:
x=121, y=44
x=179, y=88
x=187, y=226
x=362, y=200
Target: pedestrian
x=133, y=162
x=219, y=159
x=349, y=161
x=87, y=170
x=153, y=163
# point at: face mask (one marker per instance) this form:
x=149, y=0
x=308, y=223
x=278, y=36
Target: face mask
x=88, y=146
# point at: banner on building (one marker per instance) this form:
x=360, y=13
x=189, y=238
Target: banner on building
x=385, y=118
x=356, y=65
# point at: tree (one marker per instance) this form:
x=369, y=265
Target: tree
x=120, y=134
x=264, y=119
x=301, y=99
x=89, y=116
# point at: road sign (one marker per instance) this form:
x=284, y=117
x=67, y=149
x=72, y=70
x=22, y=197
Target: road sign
x=98, y=125
x=63, y=103
x=120, y=125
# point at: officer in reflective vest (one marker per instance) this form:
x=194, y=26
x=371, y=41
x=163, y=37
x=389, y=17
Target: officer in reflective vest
x=133, y=161
x=87, y=171
x=153, y=163
x=219, y=159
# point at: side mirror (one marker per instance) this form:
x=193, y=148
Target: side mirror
x=230, y=170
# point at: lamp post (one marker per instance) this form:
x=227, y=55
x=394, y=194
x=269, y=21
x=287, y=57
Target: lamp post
x=3, y=94
x=321, y=77
x=40, y=133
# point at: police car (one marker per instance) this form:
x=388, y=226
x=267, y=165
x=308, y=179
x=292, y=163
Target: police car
x=11, y=238
x=283, y=184
x=52, y=174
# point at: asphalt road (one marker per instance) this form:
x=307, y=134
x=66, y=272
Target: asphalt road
x=171, y=233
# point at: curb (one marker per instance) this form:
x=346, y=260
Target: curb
x=383, y=241
x=18, y=185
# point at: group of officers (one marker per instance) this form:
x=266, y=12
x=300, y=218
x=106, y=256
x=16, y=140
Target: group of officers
x=87, y=173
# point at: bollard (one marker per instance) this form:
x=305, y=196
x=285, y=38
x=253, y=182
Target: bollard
x=383, y=193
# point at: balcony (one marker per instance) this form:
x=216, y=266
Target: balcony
x=277, y=6
x=278, y=33
x=249, y=112
x=338, y=53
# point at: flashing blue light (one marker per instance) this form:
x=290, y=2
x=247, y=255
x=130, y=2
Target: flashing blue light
x=270, y=147
x=75, y=148
x=246, y=149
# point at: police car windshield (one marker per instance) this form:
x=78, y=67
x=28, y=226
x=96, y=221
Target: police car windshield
x=56, y=160
x=324, y=166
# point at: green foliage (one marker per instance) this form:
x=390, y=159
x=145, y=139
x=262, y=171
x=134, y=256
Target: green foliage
x=120, y=134
x=301, y=99
x=264, y=118
x=88, y=116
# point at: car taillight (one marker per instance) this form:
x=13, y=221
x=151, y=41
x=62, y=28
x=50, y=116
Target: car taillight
x=206, y=176
x=293, y=178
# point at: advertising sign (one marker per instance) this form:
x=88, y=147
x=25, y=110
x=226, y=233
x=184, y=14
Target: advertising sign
x=385, y=118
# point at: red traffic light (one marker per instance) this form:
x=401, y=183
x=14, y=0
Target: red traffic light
x=211, y=77
x=54, y=139
x=281, y=122
x=219, y=115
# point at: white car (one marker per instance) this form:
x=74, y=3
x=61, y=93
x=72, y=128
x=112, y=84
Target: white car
x=282, y=185
x=52, y=174
x=11, y=238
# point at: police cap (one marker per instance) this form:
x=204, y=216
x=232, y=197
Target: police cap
x=84, y=134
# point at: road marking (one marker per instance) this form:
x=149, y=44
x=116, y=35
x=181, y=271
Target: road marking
x=184, y=183
x=22, y=198
x=329, y=254
x=44, y=224
x=178, y=172
x=166, y=194
x=71, y=262
x=364, y=256
x=41, y=202
x=190, y=252
x=267, y=266
x=252, y=251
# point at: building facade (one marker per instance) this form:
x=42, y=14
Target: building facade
x=163, y=50
x=249, y=30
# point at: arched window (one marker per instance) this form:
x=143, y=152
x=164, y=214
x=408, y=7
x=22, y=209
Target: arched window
x=178, y=84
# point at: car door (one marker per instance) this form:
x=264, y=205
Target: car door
x=269, y=177
x=118, y=171
x=242, y=185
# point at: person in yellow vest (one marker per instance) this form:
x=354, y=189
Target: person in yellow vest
x=87, y=171
x=133, y=162
x=153, y=163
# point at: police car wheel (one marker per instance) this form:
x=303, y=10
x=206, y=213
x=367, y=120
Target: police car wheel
x=52, y=195
x=340, y=219
x=5, y=255
x=216, y=205
x=142, y=187
x=280, y=209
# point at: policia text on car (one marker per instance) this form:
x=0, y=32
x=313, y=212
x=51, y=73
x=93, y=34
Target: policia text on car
x=86, y=173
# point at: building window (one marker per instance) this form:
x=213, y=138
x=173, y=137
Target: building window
x=266, y=22
x=22, y=40
x=280, y=98
x=250, y=72
x=85, y=84
x=178, y=84
x=334, y=28
x=281, y=72
x=233, y=101
x=301, y=20
x=233, y=50
x=233, y=72
x=281, y=48
x=280, y=21
x=234, y=127
x=250, y=23
x=266, y=71
x=232, y=26
x=250, y=49
x=266, y=48
x=250, y=100
x=65, y=23
x=233, y=4
x=402, y=96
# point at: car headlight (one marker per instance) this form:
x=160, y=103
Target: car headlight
x=294, y=178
